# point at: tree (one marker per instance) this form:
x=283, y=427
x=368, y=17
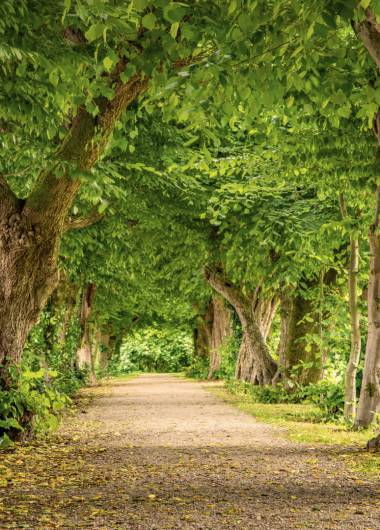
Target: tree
x=113, y=54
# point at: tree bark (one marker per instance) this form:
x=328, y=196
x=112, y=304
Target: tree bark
x=264, y=311
x=374, y=444
x=31, y=229
x=220, y=333
x=369, y=402
x=368, y=31
x=105, y=345
x=353, y=303
x=353, y=363
x=203, y=332
x=85, y=358
x=255, y=363
x=299, y=360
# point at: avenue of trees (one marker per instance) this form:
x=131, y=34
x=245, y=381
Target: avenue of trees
x=202, y=167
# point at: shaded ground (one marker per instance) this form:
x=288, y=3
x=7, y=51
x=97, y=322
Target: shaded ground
x=158, y=453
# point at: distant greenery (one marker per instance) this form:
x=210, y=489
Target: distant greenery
x=154, y=350
x=199, y=367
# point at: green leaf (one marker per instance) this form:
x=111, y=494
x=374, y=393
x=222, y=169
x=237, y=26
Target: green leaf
x=54, y=77
x=174, y=13
x=128, y=73
x=66, y=8
x=94, y=32
x=232, y=7
x=245, y=22
x=140, y=5
x=174, y=29
x=6, y=442
x=108, y=63
x=149, y=21
x=102, y=207
x=375, y=6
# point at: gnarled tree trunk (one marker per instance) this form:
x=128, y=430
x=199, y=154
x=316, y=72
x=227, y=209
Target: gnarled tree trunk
x=220, y=333
x=299, y=360
x=31, y=229
x=29, y=248
x=263, y=311
x=255, y=363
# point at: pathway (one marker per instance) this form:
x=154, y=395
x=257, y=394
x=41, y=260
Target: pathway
x=158, y=452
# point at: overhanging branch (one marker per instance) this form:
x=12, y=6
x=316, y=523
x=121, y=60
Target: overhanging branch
x=83, y=222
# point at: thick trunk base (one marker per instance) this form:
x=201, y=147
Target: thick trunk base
x=374, y=444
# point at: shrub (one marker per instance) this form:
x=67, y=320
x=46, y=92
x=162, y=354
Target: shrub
x=329, y=397
x=30, y=406
x=198, y=369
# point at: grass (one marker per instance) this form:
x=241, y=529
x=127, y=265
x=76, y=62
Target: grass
x=121, y=377
x=299, y=423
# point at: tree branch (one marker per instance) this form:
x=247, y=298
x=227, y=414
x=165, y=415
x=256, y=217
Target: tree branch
x=342, y=206
x=51, y=199
x=229, y=292
x=368, y=32
x=377, y=210
x=83, y=222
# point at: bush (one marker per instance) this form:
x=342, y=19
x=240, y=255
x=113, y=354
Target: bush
x=30, y=406
x=329, y=397
x=154, y=350
x=199, y=368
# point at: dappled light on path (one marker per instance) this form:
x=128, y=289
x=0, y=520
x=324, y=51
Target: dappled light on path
x=158, y=452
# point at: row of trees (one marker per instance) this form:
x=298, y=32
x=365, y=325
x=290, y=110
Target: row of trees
x=156, y=152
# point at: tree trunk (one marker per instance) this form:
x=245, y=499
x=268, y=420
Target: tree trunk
x=68, y=299
x=220, y=333
x=85, y=360
x=353, y=363
x=31, y=229
x=374, y=444
x=369, y=402
x=28, y=275
x=368, y=31
x=299, y=360
x=203, y=332
x=264, y=311
x=105, y=345
x=255, y=363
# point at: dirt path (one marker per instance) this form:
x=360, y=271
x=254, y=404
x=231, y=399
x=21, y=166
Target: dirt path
x=158, y=453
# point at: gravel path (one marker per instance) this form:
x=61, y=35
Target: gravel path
x=157, y=453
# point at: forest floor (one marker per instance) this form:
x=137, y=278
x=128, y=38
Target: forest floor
x=158, y=452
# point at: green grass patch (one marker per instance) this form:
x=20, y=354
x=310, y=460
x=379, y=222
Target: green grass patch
x=300, y=421
x=109, y=379
x=364, y=463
